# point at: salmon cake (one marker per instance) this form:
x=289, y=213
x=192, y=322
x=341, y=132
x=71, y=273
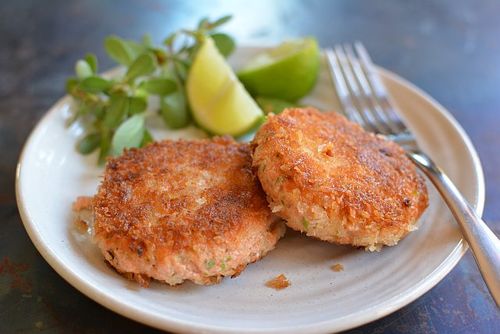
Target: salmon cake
x=183, y=210
x=330, y=179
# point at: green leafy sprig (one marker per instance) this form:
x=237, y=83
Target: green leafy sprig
x=112, y=110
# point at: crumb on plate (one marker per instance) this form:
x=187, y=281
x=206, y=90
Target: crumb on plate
x=337, y=267
x=280, y=282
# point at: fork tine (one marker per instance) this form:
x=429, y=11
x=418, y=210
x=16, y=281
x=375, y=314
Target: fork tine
x=393, y=120
x=371, y=107
x=343, y=93
x=359, y=105
x=362, y=109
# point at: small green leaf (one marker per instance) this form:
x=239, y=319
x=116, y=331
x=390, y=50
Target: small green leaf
x=104, y=145
x=136, y=48
x=89, y=143
x=84, y=109
x=224, y=43
x=83, y=69
x=169, y=41
x=129, y=134
x=148, y=138
x=143, y=65
x=159, y=86
x=221, y=21
x=147, y=40
x=118, y=50
x=116, y=111
x=181, y=69
x=192, y=50
x=168, y=73
x=203, y=24
x=71, y=83
x=91, y=59
x=95, y=84
x=174, y=110
x=141, y=92
x=136, y=104
x=98, y=112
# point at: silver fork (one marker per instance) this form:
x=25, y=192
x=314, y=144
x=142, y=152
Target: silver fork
x=365, y=100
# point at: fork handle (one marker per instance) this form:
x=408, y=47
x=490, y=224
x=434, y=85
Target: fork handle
x=484, y=244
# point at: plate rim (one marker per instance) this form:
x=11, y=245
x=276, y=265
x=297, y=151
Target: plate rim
x=347, y=322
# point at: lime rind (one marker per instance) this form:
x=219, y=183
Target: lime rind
x=287, y=72
x=284, y=50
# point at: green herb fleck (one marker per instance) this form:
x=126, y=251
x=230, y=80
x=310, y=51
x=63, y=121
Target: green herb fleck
x=210, y=264
x=305, y=223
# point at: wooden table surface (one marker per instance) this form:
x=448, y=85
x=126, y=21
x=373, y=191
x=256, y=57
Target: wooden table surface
x=451, y=49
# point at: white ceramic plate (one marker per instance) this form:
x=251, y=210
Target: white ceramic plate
x=51, y=175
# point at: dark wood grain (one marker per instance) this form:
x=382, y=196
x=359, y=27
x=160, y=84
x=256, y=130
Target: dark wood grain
x=449, y=48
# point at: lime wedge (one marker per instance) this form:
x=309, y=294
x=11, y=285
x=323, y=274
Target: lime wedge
x=218, y=101
x=286, y=72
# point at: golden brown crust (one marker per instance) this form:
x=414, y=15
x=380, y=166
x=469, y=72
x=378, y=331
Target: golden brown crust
x=187, y=205
x=319, y=168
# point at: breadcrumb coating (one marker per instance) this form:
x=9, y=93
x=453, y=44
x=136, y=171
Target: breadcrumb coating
x=330, y=179
x=183, y=210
